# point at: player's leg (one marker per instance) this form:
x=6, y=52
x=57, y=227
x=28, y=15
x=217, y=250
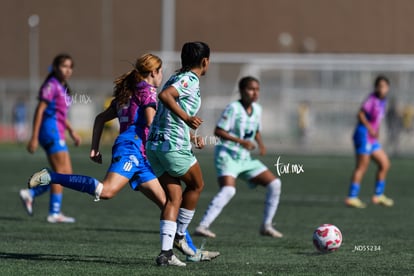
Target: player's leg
x=60, y=163
x=168, y=222
x=362, y=163
x=383, y=163
x=274, y=187
x=193, y=180
x=110, y=186
x=153, y=191
x=221, y=199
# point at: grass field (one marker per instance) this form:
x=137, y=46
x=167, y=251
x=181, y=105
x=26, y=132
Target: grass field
x=120, y=236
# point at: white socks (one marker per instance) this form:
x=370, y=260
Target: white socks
x=184, y=218
x=217, y=204
x=167, y=234
x=272, y=201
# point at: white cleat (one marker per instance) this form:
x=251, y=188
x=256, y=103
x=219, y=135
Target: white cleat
x=59, y=218
x=27, y=201
x=182, y=245
x=268, y=230
x=203, y=255
x=40, y=178
x=204, y=231
x=163, y=260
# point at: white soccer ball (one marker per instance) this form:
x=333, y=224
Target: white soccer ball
x=327, y=238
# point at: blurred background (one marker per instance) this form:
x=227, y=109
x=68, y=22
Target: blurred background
x=316, y=59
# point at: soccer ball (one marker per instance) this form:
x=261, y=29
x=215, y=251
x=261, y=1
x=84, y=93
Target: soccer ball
x=327, y=238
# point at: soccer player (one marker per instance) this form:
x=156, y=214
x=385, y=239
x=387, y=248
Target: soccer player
x=239, y=127
x=367, y=146
x=169, y=149
x=49, y=126
x=134, y=105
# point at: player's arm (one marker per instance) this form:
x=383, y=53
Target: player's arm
x=363, y=119
x=259, y=140
x=168, y=98
x=75, y=137
x=221, y=133
x=37, y=121
x=149, y=115
x=100, y=120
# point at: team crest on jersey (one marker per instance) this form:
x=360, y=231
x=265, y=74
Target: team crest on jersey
x=132, y=161
x=184, y=83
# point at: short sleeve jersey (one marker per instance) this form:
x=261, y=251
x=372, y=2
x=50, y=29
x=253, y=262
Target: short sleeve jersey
x=168, y=132
x=131, y=116
x=238, y=123
x=374, y=109
x=58, y=102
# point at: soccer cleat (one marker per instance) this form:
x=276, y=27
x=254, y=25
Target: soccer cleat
x=182, y=245
x=164, y=260
x=59, y=218
x=40, y=178
x=355, y=202
x=203, y=255
x=268, y=230
x=204, y=231
x=27, y=201
x=382, y=200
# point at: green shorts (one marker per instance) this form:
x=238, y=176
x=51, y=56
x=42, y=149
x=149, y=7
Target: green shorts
x=175, y=163
x=246, y=169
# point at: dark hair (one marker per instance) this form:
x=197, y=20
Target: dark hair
x=125, y=85
x=54, y=70
x=380, y=78
x=244, y=82
x=192, y=54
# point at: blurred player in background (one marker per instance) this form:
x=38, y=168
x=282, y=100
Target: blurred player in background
x=169, y=150
x=49, y=125
x=367, y=146
x=238, y=128
x=134, y=105
x=19, y=120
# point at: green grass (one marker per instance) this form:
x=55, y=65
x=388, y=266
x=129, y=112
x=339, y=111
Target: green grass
x=120, y=236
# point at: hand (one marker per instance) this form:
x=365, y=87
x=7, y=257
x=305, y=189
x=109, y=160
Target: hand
x=247, y=144
x=75, y=137
x=96, y=156
x=194, y=122
x=262, y=150
x=32, y=145
x=198, y=142
x=373, y=133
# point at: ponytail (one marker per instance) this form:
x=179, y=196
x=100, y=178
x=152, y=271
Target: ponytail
x=125, y=85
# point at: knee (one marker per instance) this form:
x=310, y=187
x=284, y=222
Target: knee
x=107, y=193
x=385, y=166
x=196, y=187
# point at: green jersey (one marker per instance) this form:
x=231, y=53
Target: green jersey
x=238, y=123
x=168, y=132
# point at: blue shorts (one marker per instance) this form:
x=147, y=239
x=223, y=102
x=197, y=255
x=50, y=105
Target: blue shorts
x=128, y=161
x=52, y=143
x=361, y=143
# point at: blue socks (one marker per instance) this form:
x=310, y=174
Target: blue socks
x=379, y=187
x=39, y=190
x=354, y=190
x=81, y=183
x=55, y=203
x=190, y=241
